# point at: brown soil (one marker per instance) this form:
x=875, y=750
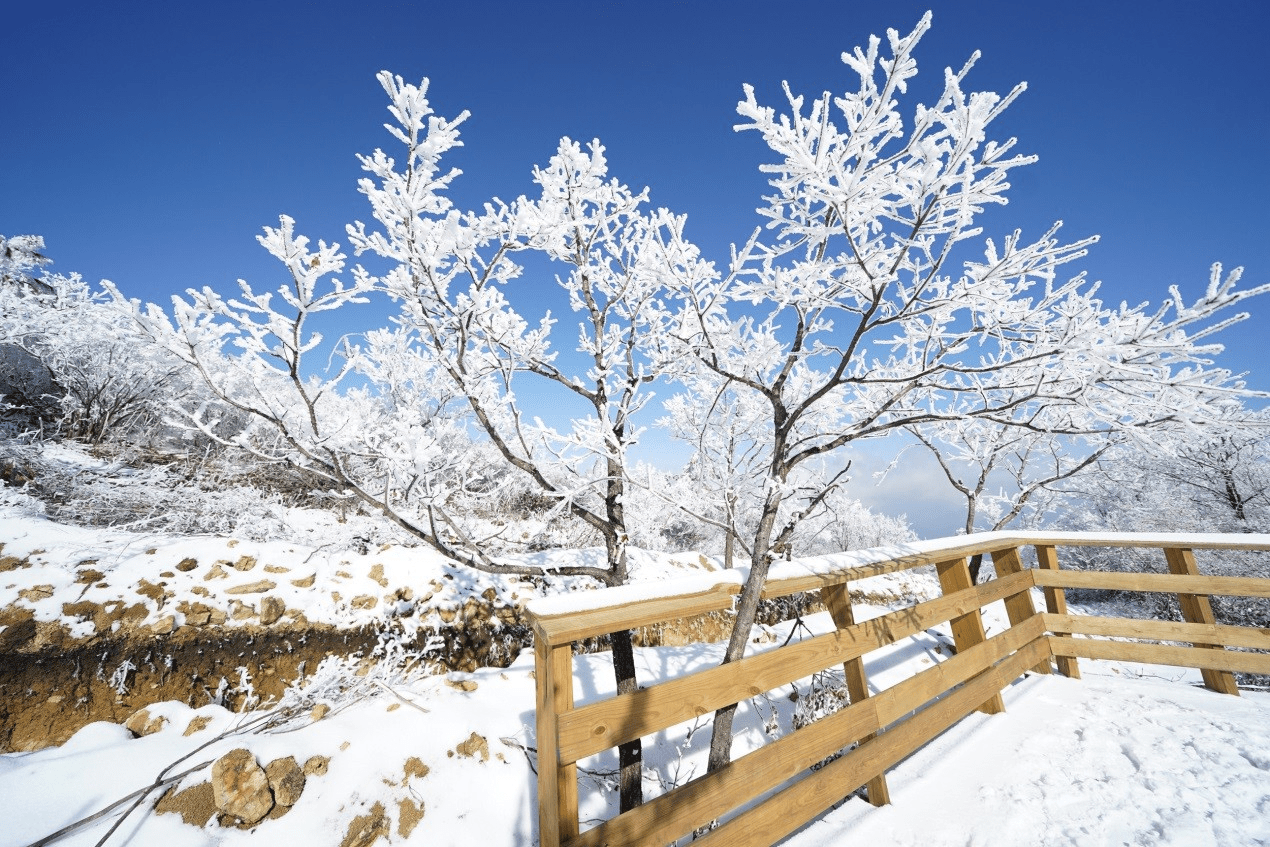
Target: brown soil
x=51, y=685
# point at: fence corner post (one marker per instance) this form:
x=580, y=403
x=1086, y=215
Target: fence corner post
x=557, y=782
x=967, y=629
x=1056, y=604
x=1019, y=606
x=1196, y=608
x=837, y=600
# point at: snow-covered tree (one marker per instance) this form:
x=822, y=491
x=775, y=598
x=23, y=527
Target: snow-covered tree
x=851, y=318
x=999, y=466
x=72, y=360
x=458, y=353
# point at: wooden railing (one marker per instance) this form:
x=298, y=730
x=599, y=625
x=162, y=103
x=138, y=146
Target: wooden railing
x=886, y=727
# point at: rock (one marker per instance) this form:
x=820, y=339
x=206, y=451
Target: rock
x=305, y=582
x=164, y=625
x=217, y=572
x=88, y=575
x=240, y=611
x=377, y=574
x=198, y=614
x=271, y=609
x=319, y=711
x=245, y=563
x=136, y=722
x=187, y=565
x=363, y=601
x=286, y=780
x=364, y=830
x=462, y=684
x=317, y=765
x=276, y=569
x=197, y=724
x=240, y=787
x=258, y=587
x=140, y=723
x=474, y=745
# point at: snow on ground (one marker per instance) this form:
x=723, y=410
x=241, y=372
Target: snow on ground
x=1116, y=758
x=1111, y=759
x=1125, y=756
x=45, y=565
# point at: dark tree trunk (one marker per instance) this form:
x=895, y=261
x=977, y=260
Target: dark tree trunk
x=976, y=562
x=630, y=754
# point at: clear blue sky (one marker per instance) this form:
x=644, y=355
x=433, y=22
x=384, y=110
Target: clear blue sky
x=149, y=143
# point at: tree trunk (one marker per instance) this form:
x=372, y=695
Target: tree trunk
x=746, y=612
x=976, y=562
x=630, y=754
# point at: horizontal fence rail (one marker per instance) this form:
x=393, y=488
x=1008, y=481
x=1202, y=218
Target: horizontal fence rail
x=774, y=790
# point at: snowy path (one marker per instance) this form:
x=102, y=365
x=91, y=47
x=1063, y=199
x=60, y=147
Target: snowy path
x=1101, y=761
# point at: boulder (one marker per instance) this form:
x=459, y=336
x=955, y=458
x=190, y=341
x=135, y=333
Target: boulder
x=240, y=787
x=286, y=780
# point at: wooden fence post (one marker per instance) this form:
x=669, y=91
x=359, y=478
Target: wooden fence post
x=1056, y=603
x=557, y=783
x=1018, y=606
x=1196, y=608
x=967, y=629
x=837, y=600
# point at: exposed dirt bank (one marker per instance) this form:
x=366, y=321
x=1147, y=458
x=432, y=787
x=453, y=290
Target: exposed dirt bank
x=51, y=685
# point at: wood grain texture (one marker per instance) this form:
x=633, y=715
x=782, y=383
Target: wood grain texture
x=1056, y=603
x=837, y=600
x=557, y=781
x=1161, y=654
x=1196, y=608
x=709, y=797
x=1019, y=607
x=1235, y=586
x=1256, y=638
x=598, y=726
x=967, y=629
x=622, y=614
x=562, y=629
x=794, y=806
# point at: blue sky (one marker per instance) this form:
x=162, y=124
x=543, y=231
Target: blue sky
x=149, y=143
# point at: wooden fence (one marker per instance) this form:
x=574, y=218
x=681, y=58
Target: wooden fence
x=885, y=727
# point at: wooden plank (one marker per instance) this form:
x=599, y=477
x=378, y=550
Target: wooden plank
x=920, y=689
x=1256, y=638
x=780, y=815
x=562, y=629
x=607, y=723
x=837, y=600
x=623, y=614
x=968, y=545
x=1235, y=586
x=709, y=797
x=1196, y=608
x=967, y=629
x=557, y=781
x=1056, y=604
x=1161, y=654
x=1019, y=607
